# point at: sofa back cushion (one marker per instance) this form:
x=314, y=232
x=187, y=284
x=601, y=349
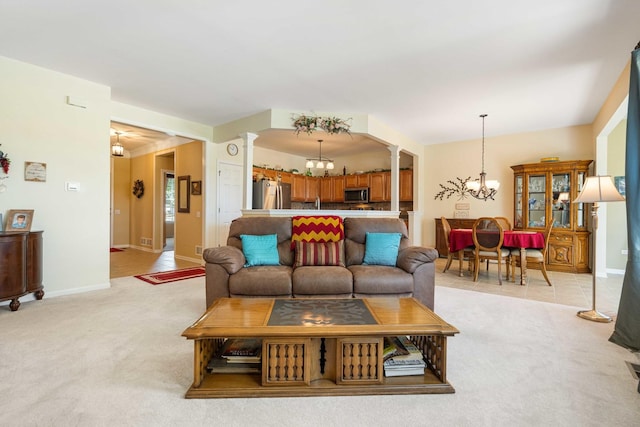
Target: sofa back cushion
x=280, y=226
x=355, y=235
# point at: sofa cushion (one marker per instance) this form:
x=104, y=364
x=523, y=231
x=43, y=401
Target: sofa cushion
x=328, y=253
x=260, y=249
x=281, y=226
x=355, y=230
x=316, y=228
x=264, y=280
x=326, y=281
x=381, y=280
x=381, y=248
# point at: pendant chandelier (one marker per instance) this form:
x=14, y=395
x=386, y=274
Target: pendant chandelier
x=483, y=189
x=319, y=161
x=117, y=150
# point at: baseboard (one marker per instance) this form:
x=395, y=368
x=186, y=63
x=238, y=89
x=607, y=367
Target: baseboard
x=615, y=271
x=53, y=294
x=184, y=258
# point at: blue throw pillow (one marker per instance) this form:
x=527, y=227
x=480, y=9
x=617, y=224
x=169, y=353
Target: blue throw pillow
x=260, y=250
x=381, y=248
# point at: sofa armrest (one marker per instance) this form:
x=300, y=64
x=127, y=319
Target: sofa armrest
x=228, y=257
x=409, y=259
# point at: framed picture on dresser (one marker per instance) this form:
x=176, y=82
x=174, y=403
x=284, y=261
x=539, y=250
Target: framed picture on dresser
x=19, y=219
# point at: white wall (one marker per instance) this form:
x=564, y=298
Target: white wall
x=616, y=213
x=38, y=125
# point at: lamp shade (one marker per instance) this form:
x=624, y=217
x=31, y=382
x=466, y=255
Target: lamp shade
x=117, y=150
x=599, y=189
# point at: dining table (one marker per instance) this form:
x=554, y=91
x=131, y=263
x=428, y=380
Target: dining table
x=461, y=238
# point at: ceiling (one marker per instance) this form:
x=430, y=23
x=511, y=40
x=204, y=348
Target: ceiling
x=426, y=68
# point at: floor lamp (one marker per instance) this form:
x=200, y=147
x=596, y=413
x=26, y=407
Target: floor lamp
x=597, y=189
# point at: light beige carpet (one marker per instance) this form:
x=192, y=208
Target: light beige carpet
x=116, y=358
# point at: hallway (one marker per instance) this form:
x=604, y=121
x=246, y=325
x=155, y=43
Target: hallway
x=131, y=262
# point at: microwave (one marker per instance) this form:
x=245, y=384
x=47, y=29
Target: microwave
x=356, y=195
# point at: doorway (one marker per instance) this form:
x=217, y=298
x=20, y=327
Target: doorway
x=229, y=198
x=168, y=243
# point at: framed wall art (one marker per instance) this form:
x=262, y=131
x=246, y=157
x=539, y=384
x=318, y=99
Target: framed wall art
x=184, y=200
x=19, y=219
x=35, y=171
x=196, y=188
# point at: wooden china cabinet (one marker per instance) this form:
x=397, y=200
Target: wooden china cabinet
x=545, y=192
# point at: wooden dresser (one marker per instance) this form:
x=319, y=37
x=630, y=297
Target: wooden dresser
x=441, y=244
x=20, y=266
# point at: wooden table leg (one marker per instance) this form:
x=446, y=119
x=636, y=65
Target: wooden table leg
x=523, y=266
x=460, y=262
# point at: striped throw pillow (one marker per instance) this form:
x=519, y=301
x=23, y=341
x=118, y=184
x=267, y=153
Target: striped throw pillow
x=328, y=253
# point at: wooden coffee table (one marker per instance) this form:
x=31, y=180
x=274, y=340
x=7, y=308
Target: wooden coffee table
x=314, y=347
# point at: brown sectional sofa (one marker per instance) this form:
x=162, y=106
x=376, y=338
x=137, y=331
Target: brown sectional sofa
x=226, y=276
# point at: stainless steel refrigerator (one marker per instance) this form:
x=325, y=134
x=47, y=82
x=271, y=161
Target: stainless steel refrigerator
x=271, y=195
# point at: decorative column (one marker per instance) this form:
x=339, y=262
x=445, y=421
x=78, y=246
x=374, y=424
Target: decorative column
x=395, y=177
x=247, y=163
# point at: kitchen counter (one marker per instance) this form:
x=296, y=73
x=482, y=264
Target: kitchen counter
x=309, y=212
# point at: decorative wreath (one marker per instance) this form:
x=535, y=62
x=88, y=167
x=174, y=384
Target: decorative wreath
x=138, y=188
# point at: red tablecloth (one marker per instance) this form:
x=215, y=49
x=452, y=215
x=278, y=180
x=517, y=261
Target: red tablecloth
x=460, y=238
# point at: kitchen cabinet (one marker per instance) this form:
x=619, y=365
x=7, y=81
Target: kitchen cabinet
x=356, y=181
x=312, y=188
x=298, y=188
x=406, y=185
x=544, y=192
x=332, y=189
x=380, y=187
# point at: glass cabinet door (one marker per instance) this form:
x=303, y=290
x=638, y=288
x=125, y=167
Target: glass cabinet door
x=581, y=220
x=536, y=203
x=518, y=202
x=561, y=198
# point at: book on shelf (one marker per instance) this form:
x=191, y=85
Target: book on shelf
x=393, y=347
x=241, y=350
x=220, y=365
x=418, y=370
x=410, y=363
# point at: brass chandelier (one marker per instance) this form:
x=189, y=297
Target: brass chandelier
x=483, y=189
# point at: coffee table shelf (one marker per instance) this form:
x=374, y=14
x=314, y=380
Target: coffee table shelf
x=319, y=360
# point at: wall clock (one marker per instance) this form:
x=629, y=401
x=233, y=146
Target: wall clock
x=232, y=149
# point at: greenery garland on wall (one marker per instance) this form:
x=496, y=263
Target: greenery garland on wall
x=331, y=125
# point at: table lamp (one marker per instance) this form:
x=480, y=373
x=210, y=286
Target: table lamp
x=597, y=189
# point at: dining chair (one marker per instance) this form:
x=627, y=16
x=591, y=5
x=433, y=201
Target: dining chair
x=504, y=222
x=506, y=225
x=536, y=256
x=488, y=237
x=467, y=252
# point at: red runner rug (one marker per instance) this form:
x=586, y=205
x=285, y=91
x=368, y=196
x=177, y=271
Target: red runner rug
x=171, y=276
x=115, y=250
